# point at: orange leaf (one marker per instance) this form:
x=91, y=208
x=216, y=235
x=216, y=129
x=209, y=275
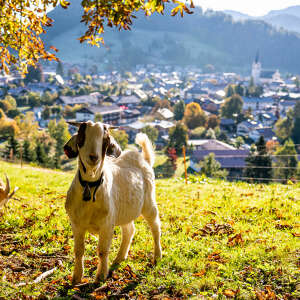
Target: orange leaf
x=200, y=274
x=230, y=293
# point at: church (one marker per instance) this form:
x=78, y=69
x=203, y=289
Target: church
x=261, y=76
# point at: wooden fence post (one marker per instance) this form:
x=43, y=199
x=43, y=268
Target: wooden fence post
x=185, y=171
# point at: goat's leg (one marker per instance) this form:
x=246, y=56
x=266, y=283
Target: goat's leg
x=127, y=235
x=105, y=238
x=152, y=218
x=79, y=251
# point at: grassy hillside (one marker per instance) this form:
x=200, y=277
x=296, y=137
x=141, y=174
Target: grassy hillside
x=219, y=239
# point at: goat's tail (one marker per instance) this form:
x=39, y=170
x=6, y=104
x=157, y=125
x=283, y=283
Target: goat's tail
x=148, y=152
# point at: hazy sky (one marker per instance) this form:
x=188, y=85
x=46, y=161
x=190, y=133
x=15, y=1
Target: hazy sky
x=250, y=7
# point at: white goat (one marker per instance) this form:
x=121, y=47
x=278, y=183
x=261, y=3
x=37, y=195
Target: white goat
x=109, y=191
x=4, y=192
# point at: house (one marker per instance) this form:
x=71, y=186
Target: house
x=130, y=115
x=227, y=124
x=133, y=128
x=129, y=101
x=84, y=99
x=111, y=114
x=233, y=160
x=165, y=113
x=210, y=144
x=245, y=127
x=266, y=132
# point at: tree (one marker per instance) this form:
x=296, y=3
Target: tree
x=239, y=141
x=213, y=121
x=151, y=132
x=284, y=127
x=179, y=110
x=60, y=132
x=60, y=69
x=259, y=163
x=194, y=116
x=212, y=168
x=178, y=137
x=22, y=45
x=286, y=161
x=232, y=105
x=46, y=113
x=34, y=74
x=28, y=154
x=41, y=156
x=229, y=90
x=121, y=137
x=295, y=134
x=12, y=147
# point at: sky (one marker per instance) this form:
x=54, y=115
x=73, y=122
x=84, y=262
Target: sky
x=250, y=7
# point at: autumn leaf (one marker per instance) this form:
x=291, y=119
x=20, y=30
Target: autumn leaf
x=235, y=240
x=230, y=293
x=200, y=274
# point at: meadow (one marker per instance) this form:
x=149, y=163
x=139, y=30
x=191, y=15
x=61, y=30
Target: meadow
x=220, y=240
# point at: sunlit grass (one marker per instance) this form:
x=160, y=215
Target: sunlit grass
x=198, y=221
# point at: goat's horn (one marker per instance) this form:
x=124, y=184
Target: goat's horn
x=76, y=124
x=7, y=189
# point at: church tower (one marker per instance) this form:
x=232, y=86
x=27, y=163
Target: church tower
x=256, y=69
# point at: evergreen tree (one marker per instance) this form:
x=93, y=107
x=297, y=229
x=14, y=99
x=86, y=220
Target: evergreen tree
x=259, y=163
x=60, y=69
x=41, y=156
x=230, y=90
x=178, y=137
x=179, y=110
x=12, y=148
x=27, y=154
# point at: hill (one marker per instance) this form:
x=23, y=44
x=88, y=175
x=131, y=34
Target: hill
x=219, y=239
x=288, y=18
x=198, y=39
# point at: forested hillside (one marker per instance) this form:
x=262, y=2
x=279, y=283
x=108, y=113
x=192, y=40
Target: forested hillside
x=198, y=39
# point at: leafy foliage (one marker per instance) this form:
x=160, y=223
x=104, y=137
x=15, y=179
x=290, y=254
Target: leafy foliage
x=259, y=163
x=194, y=116
x=178, y=137
x=232, y=106
x=151, y=132
x=212, y=168
x=179, y=108
x=287, y=161
x=121, y=137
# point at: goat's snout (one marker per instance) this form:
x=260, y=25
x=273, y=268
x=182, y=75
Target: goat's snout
x=93, y=157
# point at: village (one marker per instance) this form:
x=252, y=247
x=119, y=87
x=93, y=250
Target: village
x=147, y=97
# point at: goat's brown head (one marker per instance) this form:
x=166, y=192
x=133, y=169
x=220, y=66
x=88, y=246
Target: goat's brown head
x=92, y=142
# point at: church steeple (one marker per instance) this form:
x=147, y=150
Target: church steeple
x=257, y=57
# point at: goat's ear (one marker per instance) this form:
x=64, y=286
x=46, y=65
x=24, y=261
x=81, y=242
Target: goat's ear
x=113, y=148
x=70, y=148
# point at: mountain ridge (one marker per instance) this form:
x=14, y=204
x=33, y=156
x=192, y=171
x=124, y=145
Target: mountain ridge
x=197, y=39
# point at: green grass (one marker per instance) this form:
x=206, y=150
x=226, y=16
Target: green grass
x=218, y=238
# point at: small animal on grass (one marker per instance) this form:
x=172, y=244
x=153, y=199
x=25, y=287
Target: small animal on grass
x=5, y=194
x=111, y=188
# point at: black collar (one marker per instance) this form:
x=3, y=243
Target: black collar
x=87, y=185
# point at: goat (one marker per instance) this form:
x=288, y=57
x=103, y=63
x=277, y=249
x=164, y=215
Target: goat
x=5, y=194
x=109, y=189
